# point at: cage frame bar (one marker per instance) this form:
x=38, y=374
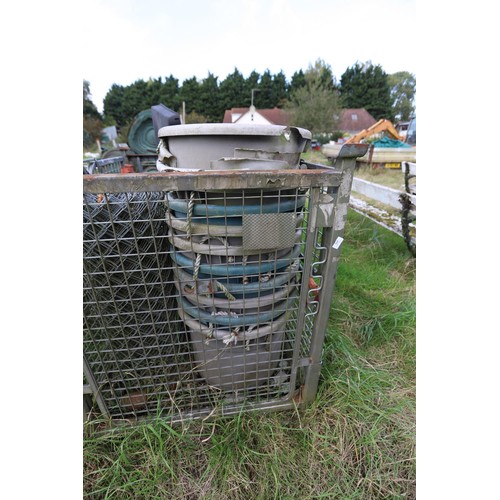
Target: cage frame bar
x=335, y=180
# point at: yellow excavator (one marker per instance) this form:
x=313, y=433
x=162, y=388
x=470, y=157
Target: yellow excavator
x=382, y=125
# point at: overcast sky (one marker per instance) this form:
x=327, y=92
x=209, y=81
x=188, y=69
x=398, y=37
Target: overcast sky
x=129, y=40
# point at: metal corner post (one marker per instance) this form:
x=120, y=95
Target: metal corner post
x=94, y=387
x=332, y=242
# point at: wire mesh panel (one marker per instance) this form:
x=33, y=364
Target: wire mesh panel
x=103, y=165
x=201, y=293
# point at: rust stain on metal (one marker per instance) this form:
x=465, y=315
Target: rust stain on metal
x=210, y=180
x=273, y=181
x=135, y=401
x=298, y=395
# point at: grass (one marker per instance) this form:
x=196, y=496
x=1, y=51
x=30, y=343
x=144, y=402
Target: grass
x=356, y=440
x=390, y=177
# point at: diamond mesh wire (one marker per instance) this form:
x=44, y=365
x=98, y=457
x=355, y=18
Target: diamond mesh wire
x=104, y=166
x=179, y=318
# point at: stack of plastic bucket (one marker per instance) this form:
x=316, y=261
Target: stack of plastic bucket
x=236, y=252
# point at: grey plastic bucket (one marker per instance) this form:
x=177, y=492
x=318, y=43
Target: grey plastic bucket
x=244, y=365
x=235, y=367
x=237, y=284
x=195, y=147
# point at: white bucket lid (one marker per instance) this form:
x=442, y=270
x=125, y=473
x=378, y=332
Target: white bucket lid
x=230, y=129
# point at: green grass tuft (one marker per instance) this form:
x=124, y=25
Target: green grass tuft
x=356, y=440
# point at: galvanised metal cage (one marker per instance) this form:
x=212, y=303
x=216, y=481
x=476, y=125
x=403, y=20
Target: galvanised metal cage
x=103, y=166
x=208, y=293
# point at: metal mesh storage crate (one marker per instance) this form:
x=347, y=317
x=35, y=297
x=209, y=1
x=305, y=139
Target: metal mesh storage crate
x=104, y=165
x=209, y=292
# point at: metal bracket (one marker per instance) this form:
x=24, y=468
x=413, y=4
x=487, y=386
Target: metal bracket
x=304, y=362
x=325, y=211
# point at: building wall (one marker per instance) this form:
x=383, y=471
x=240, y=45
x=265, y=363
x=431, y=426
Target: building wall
x=257, y=118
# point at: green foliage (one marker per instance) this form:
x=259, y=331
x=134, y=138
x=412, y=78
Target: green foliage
x=273, y=90
x=87, y=138
x=89, y=108
x=262, y=98
x=115, y=105
x=367, y=86
x=194, y=117
x=169, y=94
x=403, y=89
x=336, y=135
x=92, y=120
x=315, y=105
x=323, y=138
x=361, y=86
x=190, y=94
x=298, y=80
x=91, y=130
x=122, y=104
x=233, y=92
x=279, y=90
x=209, y=100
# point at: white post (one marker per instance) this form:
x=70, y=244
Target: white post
x=252, y=107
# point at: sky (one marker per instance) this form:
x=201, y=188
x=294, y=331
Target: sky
x=129, y=40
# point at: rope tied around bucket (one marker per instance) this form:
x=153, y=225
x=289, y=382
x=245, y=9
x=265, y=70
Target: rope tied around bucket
x=197, y=265
x=223, y=289
x=232, y=338
x=190, y=213
x=210, y=334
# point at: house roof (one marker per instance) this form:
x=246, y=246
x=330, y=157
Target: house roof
x=352, y=120
x=275, y=116
x=355, y=119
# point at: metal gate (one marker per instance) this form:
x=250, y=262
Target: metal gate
x=209, y=292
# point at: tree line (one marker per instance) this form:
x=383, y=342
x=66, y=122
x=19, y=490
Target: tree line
x=313, y=97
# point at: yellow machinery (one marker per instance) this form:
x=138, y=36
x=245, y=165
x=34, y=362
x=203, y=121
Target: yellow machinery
x=382, y=125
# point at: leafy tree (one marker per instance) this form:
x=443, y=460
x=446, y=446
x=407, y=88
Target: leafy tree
x=273, y=90
x=136, y=98
x=361, y=86
x=194, y=117
x=210, y=105
x=190, y=94
x=92, y=120
x=264, y=98
x=252, y=82
x=114, y=105
x=169, y=95
x=323, y=72
x=122, y=104
x=89, y=108
x=154, y=87
x=367, y=86
x=91, y=130
x=232, y=91
x=279, y=92
x=298, y=80
x=403, y=90
x=315, y=105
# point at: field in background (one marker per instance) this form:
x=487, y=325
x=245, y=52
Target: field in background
x=393, y=178
x=356, y=441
